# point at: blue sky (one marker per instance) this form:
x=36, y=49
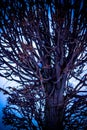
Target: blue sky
x=2, y=104
x=3, y=83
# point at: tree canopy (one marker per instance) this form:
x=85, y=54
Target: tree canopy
x=36, y=31
x=43, y=45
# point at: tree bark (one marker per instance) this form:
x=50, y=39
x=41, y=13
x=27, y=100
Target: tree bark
x=55, y=107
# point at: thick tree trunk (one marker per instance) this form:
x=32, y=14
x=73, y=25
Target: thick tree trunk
x=55, y=107
x=54, y=113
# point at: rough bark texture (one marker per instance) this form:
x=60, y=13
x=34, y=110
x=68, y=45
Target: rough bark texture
x=54, y=114
x=55, y=107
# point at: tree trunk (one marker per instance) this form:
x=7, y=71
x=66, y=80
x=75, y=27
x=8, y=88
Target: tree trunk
x=55, y=107
x=54, y=114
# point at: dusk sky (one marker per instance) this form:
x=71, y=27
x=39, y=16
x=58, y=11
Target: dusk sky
x=3, y=83
x=2, y=104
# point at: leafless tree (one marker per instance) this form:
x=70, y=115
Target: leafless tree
x=44, y=44
x=75, y=116
x=24, y=108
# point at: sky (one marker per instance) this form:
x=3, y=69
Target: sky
x=2, y=104
x=3, y=83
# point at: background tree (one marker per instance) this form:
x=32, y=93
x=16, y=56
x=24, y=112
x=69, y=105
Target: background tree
x=44, y=44
x=75, y=116
x=24, y=109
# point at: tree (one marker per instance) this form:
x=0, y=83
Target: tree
x=44, y=44
x=76, y=114
x=24, y=109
